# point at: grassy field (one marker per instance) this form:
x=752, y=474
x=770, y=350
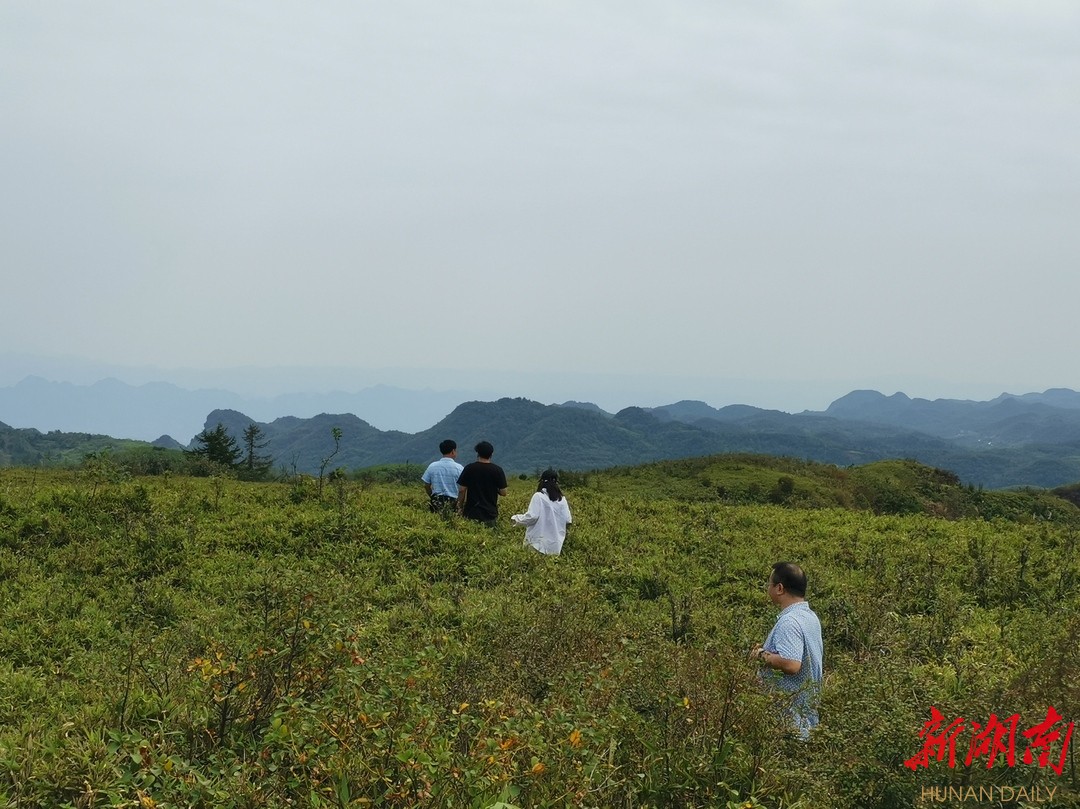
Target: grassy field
x=172, y=641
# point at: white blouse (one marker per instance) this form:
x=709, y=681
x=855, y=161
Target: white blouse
x=545, y=522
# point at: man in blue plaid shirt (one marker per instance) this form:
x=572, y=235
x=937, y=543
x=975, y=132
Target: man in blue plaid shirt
x=793, y=654
x=440, y=479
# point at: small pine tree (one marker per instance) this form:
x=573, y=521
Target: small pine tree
x=218, y=447
x=255, y=466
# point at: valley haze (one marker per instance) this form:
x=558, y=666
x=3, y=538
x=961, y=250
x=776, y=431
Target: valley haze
x=143, y=403
x=1029, y=439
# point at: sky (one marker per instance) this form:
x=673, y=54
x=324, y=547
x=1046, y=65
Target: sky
x=767, y=203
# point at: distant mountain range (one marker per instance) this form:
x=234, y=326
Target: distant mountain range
x=1029, y=440
x=145, y=412
x=1012, y=440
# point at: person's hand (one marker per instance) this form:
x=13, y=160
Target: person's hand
x=755, y=653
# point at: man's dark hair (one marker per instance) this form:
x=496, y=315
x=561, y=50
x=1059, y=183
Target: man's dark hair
x=791, y=576
x=484, y=449
x=447, y=446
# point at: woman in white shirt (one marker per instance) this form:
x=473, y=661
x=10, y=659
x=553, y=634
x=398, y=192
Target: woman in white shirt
x=548, y=515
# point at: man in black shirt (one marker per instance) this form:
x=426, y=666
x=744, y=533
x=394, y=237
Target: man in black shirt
x=480, y=486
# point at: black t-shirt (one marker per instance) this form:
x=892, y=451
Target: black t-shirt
x=483, y=481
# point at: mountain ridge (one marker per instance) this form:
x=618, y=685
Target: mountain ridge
x=529, y=435
x=1011, y=440
x=152, y=409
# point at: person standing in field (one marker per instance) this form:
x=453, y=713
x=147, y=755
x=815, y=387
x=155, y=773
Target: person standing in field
x=793, y=654
x=480, y=486
x=548, y=515
x=440, y=478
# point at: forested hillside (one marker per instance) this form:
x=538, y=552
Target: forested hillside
x=1007, y=443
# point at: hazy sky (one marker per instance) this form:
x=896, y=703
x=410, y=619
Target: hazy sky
x=784, y=195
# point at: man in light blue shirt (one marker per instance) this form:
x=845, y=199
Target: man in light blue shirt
x=793, y=653
x=440, y=479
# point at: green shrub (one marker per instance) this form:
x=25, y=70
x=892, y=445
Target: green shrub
x=179, y=641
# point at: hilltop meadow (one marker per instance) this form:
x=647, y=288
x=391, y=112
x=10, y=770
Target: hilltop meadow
x=176, y=641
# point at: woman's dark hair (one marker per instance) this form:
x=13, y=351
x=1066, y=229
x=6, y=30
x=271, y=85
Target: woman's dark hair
x=549, y=481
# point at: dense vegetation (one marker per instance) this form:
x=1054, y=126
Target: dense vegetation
x=28, y=447
x=174, y=641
